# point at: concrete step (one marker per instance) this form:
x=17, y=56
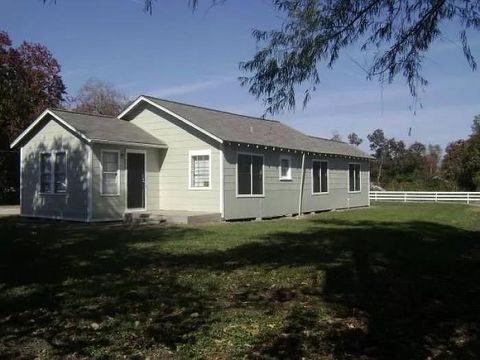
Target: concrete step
x=142, y=218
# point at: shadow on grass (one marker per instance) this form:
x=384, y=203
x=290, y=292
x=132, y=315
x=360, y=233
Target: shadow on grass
x=393, y=290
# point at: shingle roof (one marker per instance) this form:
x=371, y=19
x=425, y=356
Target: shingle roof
x=251, y=130
x=107, y=128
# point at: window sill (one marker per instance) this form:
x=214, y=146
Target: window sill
x=355, y=192
x=109, y=195
x=251, y=196
x=199, y=188
x=320, y=193
x=53, y=194
x=285, y=179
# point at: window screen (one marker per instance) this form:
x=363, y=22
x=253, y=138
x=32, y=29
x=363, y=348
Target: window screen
x=45, y=173
x=250, y=174
x=320, y=176
x=354, y=177
x=110, y=173
x=60, y=171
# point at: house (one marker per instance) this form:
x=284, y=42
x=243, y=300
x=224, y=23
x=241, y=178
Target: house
x=160, y=155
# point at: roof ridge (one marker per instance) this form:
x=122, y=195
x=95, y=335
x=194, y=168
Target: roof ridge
x=211, y=109
x=322, y=138
x=83, y=113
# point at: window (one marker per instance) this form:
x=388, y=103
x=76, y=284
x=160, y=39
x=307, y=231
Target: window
x=319, y=177
x=110, y=172
x=354, y=177
x=45, y=173
x=249, y=175
x=285, y=168
x=53, y=172
x=199, y=169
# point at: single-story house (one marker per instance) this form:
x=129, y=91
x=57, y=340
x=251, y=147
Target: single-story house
x=160, y=155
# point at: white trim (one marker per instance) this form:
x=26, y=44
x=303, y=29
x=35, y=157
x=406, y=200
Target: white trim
x=90, y=183
x=136, y=151
x=222, y=195
x=368, y=182
x=21, y=178
x=251, y=177
x=129, y=143
x=192, y=153
x=142, y=98
x=102, y=151
x=38, y=119
x=288, y=177
x=320, y=178
x=359, y=178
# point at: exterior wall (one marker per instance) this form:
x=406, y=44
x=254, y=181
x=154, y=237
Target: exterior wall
x=71, y=205
x=174, y=192
x=112, y=207
x=282, y=196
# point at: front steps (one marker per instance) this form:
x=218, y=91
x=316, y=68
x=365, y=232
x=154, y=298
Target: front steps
x=142, y=218
x=170, y=217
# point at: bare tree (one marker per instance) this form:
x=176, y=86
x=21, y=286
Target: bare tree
x=99, y=97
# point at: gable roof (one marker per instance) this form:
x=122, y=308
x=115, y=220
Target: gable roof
x=227, y=126
x=97, y=129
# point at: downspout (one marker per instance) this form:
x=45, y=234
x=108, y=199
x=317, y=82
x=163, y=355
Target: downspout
x=302, y=179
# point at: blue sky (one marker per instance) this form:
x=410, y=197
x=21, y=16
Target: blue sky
x=193, y=57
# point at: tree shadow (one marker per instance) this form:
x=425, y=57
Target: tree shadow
x=394, y=290
x=403, y=290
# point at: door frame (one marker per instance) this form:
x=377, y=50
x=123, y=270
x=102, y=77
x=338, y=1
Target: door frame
x=136, y=151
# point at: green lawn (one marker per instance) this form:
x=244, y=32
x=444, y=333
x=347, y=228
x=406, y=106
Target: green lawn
x=399, y=281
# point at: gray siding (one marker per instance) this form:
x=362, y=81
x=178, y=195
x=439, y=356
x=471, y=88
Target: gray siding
x=174, y=192
x=282, y=197
x=71, y=205
x=111, y=207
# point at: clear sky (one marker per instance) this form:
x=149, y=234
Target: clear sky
x=193, y=57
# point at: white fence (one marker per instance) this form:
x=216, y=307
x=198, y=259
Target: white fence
x=427, y=196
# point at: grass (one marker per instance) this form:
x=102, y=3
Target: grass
x=397, y=281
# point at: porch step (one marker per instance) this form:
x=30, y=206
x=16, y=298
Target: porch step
x=142, y=218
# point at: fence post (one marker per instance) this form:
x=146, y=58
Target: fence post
x=375, y=196
x=436, y=197
x=404, y=197
x=468, y=198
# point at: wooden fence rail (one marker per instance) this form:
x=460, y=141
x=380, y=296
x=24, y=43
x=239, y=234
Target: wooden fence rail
x=426, y=196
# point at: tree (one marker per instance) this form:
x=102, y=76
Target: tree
x=336, y=136
x=398, y=33
x=30, y=81
x=451, y=163
x=476, y=125
x=98, y=97
x=354, y=139
x=379, y=146
x=432, y=160
x=470, y=164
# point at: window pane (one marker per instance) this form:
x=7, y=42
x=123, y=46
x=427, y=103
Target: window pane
x=200, y=167
x=60, y=172
x=357, y=177
x=244, y=174
x=110, y=161
x=323, y=176
x=351, y=177
x=284, y=168
x=109, y=183
x=45, y=173
x=316, y=176
x=257, y=176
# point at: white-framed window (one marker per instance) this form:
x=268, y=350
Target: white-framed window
x=53, y=172
x=110, y=166
x=250, y=175
x=200, y=170
x=319, y=176
x=285, y=168
x=353, y=177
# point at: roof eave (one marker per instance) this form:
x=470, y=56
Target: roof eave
x=129, y=143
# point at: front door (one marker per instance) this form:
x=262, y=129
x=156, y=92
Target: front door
x=135, y=180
